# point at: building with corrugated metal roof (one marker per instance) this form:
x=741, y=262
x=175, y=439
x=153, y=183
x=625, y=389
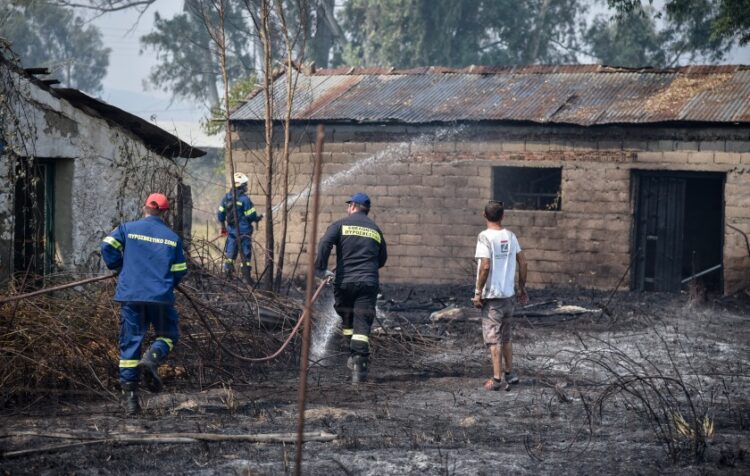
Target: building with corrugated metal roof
x=71, y=169
x=607, y=174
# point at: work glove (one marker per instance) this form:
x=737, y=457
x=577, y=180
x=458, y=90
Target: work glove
x=324, y=274
x=224, y=231
x=259, y=217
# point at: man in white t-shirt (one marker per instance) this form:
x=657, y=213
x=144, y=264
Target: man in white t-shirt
x=498, y=254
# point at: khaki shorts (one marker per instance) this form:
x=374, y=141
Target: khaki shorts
x=497, y=317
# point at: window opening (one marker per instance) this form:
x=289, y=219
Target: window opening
x=527, y=188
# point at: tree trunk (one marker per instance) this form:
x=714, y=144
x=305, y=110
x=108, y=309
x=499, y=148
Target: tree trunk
x=265, y=36
x=290, y=88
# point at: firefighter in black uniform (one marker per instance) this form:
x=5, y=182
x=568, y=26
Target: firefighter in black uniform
x=360, y=253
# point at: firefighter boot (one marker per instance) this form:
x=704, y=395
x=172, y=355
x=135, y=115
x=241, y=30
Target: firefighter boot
x=149, y=364
x=130, y=398
x=247, y=275
x=229, y=269
x=359, y=370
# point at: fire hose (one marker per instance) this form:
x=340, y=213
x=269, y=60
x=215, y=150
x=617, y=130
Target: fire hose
x=192, y=302
x=39, y=292
x=305, y=315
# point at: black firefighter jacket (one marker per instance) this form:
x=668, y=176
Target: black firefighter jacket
x=360, y=250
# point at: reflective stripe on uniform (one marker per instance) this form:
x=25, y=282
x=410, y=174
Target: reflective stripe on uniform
x=239, y=203
x=221, y=209
x=178, y=267
x=246, y=264
x=360, y=337
x=347, y=332
x=112, y=242
x=167, y=341
x=128, y=364
x=228, y=260
x=249, y=212
x=352, y=230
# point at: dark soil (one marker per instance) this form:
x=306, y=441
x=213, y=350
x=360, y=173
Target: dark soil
x=424, y=410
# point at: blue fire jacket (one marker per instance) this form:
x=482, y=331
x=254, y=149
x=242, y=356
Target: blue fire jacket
x=245, y=211
x=150, y=257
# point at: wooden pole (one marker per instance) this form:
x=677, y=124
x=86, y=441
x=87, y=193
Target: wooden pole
x=308, y=300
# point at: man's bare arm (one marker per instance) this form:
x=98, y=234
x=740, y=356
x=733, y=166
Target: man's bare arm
x=523, y=268
x=484, y=273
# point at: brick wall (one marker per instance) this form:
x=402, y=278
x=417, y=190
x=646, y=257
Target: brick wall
x=428, y=194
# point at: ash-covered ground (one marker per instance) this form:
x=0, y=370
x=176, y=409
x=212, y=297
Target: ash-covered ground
x=654, y=384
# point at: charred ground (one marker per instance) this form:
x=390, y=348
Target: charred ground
x=654, y=385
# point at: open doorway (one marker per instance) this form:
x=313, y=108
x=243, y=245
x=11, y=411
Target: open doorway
x=679, y=223
x=33, y=244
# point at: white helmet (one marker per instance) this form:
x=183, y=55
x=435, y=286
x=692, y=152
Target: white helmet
x=240, y=179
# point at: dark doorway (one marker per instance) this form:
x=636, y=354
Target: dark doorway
x=679, y=221
x=33, y=245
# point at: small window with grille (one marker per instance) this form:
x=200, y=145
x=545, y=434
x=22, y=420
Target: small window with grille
x=527, y=188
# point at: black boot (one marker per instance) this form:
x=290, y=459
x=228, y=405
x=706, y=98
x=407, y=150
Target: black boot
x=359, y=372
x=229, y=270
x=130, y=397
x=247, y=275
x=149, y=365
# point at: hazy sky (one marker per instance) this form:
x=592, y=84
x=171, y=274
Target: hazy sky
x=124, y=85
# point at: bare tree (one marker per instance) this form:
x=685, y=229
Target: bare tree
x=291, y=79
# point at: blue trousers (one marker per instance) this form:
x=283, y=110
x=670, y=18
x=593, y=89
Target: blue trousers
x=230, y=248
x=135, y=318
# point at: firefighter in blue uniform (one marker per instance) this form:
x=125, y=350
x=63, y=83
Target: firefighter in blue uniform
x=150, y=262
x=247, y=216
x=360, y=253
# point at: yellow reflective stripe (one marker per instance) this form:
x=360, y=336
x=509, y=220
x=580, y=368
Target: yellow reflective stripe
x=228, y=260
x=360, y=337
x=221, y=209
x=179, y=267
x=238, y=203
x=128, y=364
x=250, y=212
x=167, y=341
x=347, y=332
x=351, y=230
x=112, y=242
x=245, y=264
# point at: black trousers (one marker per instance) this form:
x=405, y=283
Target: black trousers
x=355, y=303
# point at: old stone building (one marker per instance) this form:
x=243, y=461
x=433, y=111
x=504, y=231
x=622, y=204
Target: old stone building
x=607, y=174
x=71, y=169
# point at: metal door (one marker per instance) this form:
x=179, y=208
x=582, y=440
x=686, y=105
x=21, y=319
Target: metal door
x=660, y=216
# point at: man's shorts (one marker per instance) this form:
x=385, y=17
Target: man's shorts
x=496, y=320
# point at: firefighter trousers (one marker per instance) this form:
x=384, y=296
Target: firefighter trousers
x=135, y=318
x=230, y=248
x=355, y=303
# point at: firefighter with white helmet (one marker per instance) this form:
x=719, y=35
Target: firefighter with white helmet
x=238, y=215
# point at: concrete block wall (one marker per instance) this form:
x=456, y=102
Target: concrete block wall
x=428, y=194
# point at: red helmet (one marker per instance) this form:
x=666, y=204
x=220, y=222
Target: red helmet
x=158, y=201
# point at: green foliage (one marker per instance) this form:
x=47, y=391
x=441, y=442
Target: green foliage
x=44, y=35
x=708, y=23
x=239, y=90
x=630, y=39
x=733, y=21
x=188, y=66
x=409, y=33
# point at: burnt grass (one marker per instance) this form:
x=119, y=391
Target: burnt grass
x=424, y=410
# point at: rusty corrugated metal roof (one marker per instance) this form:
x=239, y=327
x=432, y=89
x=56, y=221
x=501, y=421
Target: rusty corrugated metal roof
x=565, y=94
